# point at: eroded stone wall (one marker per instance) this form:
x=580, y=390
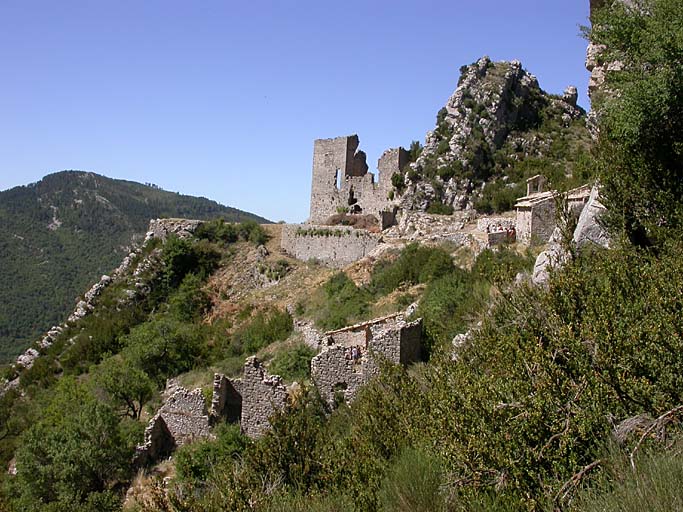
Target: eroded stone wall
x=390, y=338
x=262, y=396
x=226, y=401
x=341, y=179
x=186, y=416
x=336, y=246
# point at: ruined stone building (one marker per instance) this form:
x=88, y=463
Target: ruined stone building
x=536, y=211
x=341, y=181
x=251, y=400
x=391, y=338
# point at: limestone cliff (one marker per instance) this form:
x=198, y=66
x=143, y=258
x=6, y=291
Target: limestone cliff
x=497, y=125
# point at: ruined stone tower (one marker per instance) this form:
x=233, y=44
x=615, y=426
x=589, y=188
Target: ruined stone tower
x=341, y=181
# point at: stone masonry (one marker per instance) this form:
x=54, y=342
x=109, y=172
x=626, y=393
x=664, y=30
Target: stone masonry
x=390, y=338
x=336, y=246
x=180, y=420
x=252, y=400
x=341, y=179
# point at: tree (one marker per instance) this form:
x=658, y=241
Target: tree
x=640, y=152
x=73, y=455
x=128, y=387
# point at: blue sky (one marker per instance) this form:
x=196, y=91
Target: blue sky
x=223, y=99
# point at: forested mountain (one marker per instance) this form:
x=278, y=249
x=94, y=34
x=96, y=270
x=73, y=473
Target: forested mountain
x=60, y=234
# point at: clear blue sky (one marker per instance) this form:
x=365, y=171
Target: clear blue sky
x=223, y=99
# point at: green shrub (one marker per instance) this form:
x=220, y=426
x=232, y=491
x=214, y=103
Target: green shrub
x=448, y=305
x=293, y=363
x=181, y=256
x=439, y=208
x=654, y=485
x=501, y=266
x=416, y=264
x=413, y=484
x=194, y=462
x=398, y=181
x=189, y=302
x=263, y=329
x=72, y=454
x=316, y=503
x=343, y=302
x=164, y=347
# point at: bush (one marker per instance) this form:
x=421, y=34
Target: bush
x=655, y=485
x=194, y=462
x=416, y=264
x=342, y=302
x=413, y=484
x=398, y=181
x=439, y=208
x=72, y=455
x=293, y=363
x=264, y=328
x=181, y=256
x=501, y=266
x=448, y=306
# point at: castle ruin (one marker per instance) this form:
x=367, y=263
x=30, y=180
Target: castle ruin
x=341, y=181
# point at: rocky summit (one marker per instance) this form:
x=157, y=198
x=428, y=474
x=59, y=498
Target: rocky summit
x=497, y=118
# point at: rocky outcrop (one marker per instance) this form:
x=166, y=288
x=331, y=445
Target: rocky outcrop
x=491, y=101
x=162, y=228
x=589, y=231
x=553, y=257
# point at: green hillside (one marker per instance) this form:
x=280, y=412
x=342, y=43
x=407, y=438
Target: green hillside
x=57, y=236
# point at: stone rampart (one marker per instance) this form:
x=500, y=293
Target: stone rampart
x=335, y=246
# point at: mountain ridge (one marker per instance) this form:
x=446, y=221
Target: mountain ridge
x=62, y=232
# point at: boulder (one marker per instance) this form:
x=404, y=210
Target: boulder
x=589, y=229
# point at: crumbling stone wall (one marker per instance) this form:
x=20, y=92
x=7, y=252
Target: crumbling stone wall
x=227, y=399
x=390, y=338
x=336, y=246
x=162, y=228
x=159, y=443
x=180, y=420
x=262, y=396
x=500, y=237
x=341, y=179
x=186, y=416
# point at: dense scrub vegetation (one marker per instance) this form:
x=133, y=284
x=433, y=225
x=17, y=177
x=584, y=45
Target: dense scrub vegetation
x=74, y=430
x=62, y=233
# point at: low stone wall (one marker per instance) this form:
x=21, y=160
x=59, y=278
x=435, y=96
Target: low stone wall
x=336, y=246
x=485, y=223
x=501, y=237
